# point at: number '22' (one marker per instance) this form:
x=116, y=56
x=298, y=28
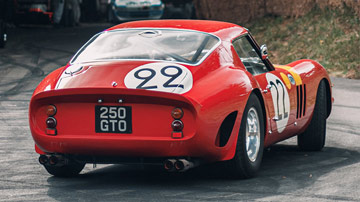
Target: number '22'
x=285, y=113
x=167, y=84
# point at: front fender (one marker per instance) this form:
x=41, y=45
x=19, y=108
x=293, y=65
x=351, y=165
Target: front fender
x=311, y=73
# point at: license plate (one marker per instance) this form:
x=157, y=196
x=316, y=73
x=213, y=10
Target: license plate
x=113, y=119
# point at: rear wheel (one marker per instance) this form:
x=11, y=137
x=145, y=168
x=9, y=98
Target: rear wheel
x=69, y=170
x=313, y=139
x=250, y=144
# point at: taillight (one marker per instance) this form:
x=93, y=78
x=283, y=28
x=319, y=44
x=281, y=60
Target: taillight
x=51, y=121
x=177, y=125
x=50, y=110
x=177, y=113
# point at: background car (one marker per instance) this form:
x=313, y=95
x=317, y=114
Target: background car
x=126, y=10
x=30, y=11
x=177, y=93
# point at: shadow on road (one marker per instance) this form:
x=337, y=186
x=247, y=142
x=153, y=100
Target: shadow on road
x=284, y=168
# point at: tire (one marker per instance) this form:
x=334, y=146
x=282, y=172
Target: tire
x=245, y=165
x=69, y=170
x=313, y=139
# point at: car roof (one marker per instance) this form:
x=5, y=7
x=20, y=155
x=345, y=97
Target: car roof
x=224, y=30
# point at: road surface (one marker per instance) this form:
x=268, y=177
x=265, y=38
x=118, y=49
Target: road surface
x=286, y=173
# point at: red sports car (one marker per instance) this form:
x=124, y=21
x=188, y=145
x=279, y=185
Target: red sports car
x=178, y=93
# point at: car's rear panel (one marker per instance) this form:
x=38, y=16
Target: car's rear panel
x=151, y=120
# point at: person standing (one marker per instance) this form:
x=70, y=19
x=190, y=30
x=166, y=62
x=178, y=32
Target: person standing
x=4, y=7
x=74, y=7
x=58, y=11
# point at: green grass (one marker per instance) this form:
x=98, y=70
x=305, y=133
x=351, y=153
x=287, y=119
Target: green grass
x=331, y=37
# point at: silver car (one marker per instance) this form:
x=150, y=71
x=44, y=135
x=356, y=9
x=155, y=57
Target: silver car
x=127, y=10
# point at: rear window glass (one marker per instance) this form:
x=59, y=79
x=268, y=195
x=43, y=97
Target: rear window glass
x=148, y=44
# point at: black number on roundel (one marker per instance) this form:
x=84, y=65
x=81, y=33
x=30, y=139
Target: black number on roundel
x=167, y=84
x=172, y=77
x=285, y=113
x=146, y=79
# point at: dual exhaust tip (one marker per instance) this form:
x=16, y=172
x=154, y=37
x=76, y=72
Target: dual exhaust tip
x=179, y=165
x=171, y=165
x=52, y=160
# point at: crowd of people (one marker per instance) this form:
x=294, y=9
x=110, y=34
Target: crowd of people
x=63, y=12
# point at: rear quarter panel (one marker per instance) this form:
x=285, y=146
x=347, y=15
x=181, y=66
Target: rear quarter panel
x=220, y=88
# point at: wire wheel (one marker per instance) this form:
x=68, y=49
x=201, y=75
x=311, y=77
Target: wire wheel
x=252, y=134
x=250, y=143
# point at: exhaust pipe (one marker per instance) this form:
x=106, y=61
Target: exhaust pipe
x=43, y=159
x=169, y=164
x=183, y=165
x=53, y=160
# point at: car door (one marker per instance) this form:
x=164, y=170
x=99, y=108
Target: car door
x=273, y=83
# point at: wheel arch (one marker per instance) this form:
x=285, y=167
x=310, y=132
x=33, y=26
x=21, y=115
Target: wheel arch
x=312, y=72
x=258, y=94
x=240, y=114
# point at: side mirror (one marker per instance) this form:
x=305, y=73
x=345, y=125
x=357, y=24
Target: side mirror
x=263, y=51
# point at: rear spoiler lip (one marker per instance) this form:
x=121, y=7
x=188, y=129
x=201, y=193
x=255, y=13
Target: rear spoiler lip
x=119, y=91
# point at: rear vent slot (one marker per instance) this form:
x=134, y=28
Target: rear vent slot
x=301, y=100
x=298, y=101
x=304, y=100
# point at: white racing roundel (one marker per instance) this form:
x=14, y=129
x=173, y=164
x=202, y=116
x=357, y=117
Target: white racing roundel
x=281, y=101
x=165, y=77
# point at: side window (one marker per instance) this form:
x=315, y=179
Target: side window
x=249, y=57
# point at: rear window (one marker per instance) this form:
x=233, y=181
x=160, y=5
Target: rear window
x=148, y=44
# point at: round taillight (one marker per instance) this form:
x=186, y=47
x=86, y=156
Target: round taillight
x=50, y=110
x=177, y=113
x=51, y=122
x=177, y=125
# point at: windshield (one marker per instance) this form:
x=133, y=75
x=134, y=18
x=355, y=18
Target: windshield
x=148, y=44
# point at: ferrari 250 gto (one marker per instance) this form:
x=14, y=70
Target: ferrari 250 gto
x=178, y=93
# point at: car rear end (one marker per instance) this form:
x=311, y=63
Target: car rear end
x=120, y=122
x=31, y=11
x=124, y=96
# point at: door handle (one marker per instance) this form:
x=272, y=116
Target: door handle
x=268, y=87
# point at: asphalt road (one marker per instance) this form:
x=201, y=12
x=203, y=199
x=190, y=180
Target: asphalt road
x=286, y=173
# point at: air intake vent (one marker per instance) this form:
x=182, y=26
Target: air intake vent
x=301, y=100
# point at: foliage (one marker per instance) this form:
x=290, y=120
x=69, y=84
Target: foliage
x=329, y=36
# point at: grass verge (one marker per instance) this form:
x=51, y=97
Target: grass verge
x=330, y=37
